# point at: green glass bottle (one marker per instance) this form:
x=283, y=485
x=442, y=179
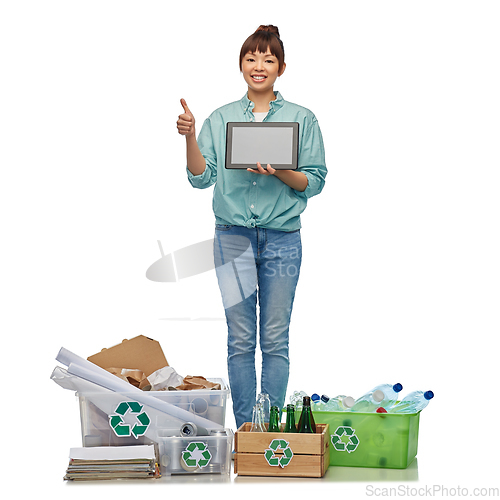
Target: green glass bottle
x=290, y=419
x=306, y=420
x=274, y=420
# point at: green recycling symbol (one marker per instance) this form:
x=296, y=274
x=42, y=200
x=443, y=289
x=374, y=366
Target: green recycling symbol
x=274, y=460
x=196, y=454
x=341, y=445
x=122, y=429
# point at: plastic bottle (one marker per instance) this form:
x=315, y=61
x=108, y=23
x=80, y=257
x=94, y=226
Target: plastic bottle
x=296, y=399
x=321, y=404
x=315, y=402
x=412, y=403
x=391, y=392
x=339, y=403
x=369, y=402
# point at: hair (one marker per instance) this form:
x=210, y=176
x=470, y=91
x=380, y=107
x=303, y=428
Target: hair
x=265, y=37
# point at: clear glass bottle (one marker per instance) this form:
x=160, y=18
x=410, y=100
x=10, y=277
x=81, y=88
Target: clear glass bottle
x=274, y=420
x=264, y=400
x=257, y=419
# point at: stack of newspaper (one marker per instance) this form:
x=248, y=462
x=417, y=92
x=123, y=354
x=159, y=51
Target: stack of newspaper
x=112, y=462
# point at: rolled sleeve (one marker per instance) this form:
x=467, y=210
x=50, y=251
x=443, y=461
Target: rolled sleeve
x=312, y=160
x=205, y=142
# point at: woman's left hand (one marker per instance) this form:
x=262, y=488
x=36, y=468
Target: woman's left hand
x=260, y=170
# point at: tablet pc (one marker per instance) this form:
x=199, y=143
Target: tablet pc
x=276, y=143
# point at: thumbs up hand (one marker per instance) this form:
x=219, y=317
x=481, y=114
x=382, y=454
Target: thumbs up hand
x=185, y=123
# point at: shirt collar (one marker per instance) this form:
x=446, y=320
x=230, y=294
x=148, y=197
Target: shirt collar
x=248, y=105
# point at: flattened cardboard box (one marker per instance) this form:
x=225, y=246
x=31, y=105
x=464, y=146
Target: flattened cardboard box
x=141, y=353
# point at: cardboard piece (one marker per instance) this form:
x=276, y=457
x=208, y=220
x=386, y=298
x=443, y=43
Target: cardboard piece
x=138, y=353
x=197, y=382
x=134, y=377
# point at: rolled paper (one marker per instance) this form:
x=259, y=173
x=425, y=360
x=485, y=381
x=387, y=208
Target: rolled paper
x=91, y=372
x=107, y=401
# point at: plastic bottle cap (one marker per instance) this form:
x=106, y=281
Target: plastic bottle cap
x=378, y=395
x=315, y=397
x=381, y=410
x=397, y=387
x=428, y=395
x=348, y=402
x=325, y=398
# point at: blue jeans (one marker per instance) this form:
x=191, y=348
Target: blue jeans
x=256, y=265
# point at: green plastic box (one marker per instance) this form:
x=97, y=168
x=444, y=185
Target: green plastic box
x=387, y=440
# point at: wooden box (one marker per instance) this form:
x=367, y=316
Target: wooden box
x=281, y=454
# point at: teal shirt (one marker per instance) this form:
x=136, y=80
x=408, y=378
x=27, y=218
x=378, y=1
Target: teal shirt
x=247, y=199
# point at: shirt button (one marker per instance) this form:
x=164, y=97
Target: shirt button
x=254, y=183
x=251, y=206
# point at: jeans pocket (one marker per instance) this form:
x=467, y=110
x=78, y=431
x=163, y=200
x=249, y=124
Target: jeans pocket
x=223, y=227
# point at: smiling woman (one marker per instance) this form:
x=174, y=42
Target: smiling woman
x=262, y=61
x=262, y=207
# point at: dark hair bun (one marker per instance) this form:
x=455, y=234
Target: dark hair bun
x=270, y=28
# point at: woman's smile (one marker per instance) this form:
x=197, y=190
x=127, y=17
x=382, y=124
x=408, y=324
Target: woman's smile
x=259, y=78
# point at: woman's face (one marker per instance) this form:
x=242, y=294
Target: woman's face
x=260, y=70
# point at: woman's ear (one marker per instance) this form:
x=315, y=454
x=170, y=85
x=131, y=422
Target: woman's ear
x=282, y=69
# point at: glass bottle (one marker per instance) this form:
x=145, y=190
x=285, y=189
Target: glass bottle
x=305, y=425
x=264, y=400
x=308, y=415
x=290, y=419
x=257, y=419
x=274, y=420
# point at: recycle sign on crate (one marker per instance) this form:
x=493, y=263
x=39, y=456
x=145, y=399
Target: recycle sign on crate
x=276, y=460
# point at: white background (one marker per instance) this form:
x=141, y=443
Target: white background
x=400, y=276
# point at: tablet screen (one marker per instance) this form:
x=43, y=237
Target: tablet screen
x=273, y=143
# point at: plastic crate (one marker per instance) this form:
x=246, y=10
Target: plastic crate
x=387, y=440
x=117, y=419
x=196, y=455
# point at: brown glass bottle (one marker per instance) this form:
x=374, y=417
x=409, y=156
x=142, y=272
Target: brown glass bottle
x=306, y=408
